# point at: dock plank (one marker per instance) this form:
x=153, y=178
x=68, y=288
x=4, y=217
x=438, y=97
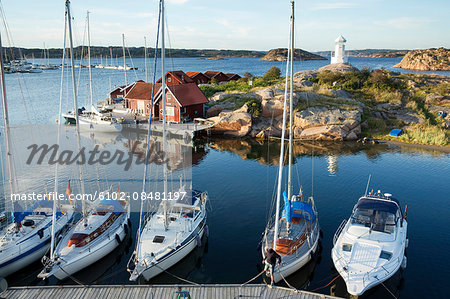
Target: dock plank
x=219, y=291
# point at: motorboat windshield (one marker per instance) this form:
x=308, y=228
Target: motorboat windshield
x=378, y=214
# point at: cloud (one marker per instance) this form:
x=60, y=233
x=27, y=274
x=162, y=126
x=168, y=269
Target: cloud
x=403, y=23
x=327, y=6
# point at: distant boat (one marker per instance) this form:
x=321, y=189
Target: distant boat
x=370, y=247
x=294, y=235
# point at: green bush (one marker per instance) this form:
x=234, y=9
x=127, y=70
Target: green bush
x=254, y=107
x=328, y=77
x=273, y=73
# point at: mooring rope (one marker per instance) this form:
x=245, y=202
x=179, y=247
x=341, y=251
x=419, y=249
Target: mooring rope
x=259, y=274
x=177, y=277
x=327, y=283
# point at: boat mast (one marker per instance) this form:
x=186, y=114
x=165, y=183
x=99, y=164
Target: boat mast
x=291, y=107
x=6, y=123
x=75, y=99
x=145, y=59
x=163, y=88
x=280, y=169
x=110, y=53
x=89, y=58
x=124, y=63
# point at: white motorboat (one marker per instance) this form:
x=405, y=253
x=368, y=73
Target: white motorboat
x=294, y=235
x=370, y=247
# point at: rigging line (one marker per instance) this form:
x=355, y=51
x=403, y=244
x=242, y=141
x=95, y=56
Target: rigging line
x=388, y=290
x=81, y=57
x=327, y=283
x=178, y=277
x=132, y=64
x=253, y=278
x=169, y=50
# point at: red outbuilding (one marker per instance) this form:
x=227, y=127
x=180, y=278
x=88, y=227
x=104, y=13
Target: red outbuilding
x=199, y=78
x=219, y=76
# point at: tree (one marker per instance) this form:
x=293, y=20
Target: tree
x=273, y=73
x=248, y=75
x=214, y=81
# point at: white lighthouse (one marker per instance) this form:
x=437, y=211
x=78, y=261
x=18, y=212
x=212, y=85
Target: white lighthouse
x=339, y=51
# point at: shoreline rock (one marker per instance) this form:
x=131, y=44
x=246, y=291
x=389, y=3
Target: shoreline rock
x=426, y=60
x=280, y=54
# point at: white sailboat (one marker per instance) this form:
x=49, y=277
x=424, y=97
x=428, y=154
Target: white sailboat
x=103, y=226
x=27, y=238
x=92, y=119
x=177, y=227
x=294, y=235
x=370, y=247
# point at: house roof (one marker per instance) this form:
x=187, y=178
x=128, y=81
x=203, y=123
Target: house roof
x=142, y=91
x=231, y=75
x=192, y=74
x=211, y=74
x=186, y=94
x=180, y=76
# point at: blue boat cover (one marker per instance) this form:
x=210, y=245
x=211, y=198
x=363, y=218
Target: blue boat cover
x=379, y=205
x=19, y=213
x=117, y=206
x=297, y=209
x=396, y=132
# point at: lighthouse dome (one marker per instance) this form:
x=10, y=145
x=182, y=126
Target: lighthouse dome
x=340, y=39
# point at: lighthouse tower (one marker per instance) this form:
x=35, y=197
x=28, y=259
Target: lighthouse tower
x=339, y=51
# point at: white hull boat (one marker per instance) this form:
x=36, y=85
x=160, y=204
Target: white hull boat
x=91, y=239
x=23, y=245
x=160, y=248
x=369, y=248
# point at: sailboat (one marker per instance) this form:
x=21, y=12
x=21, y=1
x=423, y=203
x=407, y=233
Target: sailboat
x=167, y=236
x=294, y=235
x=92, y=119
x=102, y=228
x=370, y=247
x=27, y=238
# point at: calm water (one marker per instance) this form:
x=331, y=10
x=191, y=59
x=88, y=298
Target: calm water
x=240, y=178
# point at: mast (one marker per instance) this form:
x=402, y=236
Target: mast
x=291, y=106
x=89, y=58
x=110, y=53
x=145, y=59
x=75, y=99
x=280, y=169
x=124, y=63
x=163, y=88
x=6, y=123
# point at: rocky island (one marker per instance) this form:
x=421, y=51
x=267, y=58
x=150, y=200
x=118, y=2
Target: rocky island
x=299, y=54
x=336, y=105
x=426, y=60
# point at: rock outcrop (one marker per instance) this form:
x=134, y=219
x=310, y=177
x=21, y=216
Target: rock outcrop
x=299, y=54
x=232, y=123
x=426, y=60
x=339, y=67
x=322, y=123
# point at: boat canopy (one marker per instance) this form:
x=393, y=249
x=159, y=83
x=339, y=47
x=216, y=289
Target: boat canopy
x=297, y=209
x=386, y=205
x=20, y=213
x=117, y=206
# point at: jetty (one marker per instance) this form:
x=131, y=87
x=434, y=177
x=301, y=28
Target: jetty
x=220, y=291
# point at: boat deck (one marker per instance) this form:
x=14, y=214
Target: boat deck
x=161, y=291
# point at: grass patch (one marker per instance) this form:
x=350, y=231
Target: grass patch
x=426, y=134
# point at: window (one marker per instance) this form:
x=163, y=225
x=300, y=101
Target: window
x=183, y=110
x=169, y=79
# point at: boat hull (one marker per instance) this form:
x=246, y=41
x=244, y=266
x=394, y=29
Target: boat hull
x=95, y=253
x=174, y=257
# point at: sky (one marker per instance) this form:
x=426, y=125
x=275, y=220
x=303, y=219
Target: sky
x=235, y=24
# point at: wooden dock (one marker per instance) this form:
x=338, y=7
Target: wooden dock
x=219, y=291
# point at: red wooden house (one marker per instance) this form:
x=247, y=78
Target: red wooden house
x=176, y=77
x=199, y=78
x=219, y=76
x=140, y=96
x=184, y=102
